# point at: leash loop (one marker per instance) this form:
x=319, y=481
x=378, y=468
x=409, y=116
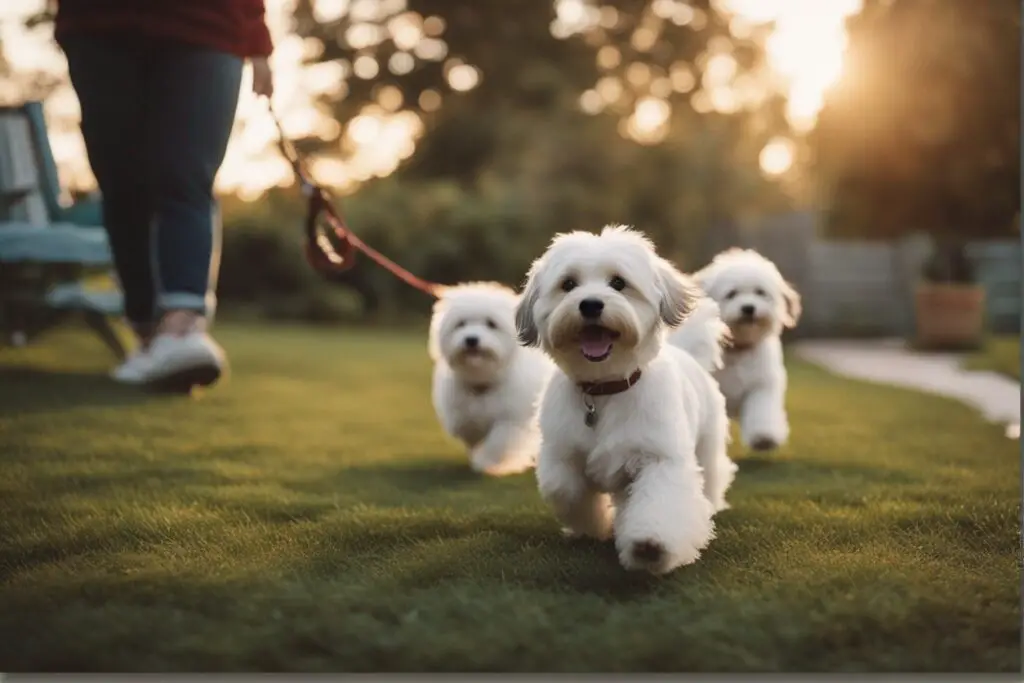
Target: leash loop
x=330, y=245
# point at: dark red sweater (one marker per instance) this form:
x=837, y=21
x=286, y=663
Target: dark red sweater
x=237, y=27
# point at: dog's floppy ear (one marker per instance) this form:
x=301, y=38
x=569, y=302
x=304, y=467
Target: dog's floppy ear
x=526, y=326
x=704, y=279
x=434, y=336
x=679, y=294
x=793, y=306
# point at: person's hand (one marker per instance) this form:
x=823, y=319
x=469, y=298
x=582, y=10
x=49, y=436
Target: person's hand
x=262, y=77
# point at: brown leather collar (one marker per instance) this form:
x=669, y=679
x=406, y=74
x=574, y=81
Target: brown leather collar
x=739, y=348
x=478, y=389
x=608, y=388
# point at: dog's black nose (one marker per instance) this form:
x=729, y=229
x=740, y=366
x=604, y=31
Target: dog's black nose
x=471, y=342
x=591, y=308
x=747, y=310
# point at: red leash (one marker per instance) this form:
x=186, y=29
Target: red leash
x=330, y=245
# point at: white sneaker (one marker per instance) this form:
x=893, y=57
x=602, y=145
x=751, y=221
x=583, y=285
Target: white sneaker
x=133, y=369
x=180, y=362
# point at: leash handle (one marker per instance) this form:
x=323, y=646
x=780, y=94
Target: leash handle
x=334, y=250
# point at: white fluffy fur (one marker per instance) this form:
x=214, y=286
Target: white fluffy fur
x=486, y=399
x=753, y=377
x=653, y=469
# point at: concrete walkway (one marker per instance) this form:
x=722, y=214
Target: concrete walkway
x=889, y=362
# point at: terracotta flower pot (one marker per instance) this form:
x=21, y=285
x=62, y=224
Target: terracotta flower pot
x=949, y=315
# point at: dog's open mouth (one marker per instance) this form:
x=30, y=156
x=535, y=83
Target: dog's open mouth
x=596, y=342
x=748, y=322
x=474, y=354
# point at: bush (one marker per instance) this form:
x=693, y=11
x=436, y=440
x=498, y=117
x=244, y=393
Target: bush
x=489, y=223
x=264, y=271
x=439, y=231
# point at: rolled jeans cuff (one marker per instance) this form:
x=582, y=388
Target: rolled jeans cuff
x=187, y=301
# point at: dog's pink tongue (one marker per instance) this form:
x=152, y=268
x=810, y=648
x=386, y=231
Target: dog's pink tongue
x=595, y=343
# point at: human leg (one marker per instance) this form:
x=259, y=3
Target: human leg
x=108, y=75
x=196, y=91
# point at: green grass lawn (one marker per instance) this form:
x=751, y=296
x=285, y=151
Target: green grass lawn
x=1000, y=354
x=309, y=515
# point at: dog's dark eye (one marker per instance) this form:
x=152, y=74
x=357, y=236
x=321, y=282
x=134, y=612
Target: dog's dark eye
x=617, y=283
x=460, y=324
x=760, y=292
x=731, y=294
x=568, y=284
x=491, y=324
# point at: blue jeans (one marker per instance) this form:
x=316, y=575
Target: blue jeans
x=156, y=118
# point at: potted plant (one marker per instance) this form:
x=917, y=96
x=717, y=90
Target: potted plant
x=949, y=302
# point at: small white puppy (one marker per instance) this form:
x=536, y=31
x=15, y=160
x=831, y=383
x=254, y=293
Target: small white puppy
x=756, y=302
x=486, y=385
x=633, y=431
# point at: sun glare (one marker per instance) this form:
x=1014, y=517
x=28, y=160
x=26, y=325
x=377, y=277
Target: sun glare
x=777, y=156
x=805, y=52
x=805, y=49
x=649, y=120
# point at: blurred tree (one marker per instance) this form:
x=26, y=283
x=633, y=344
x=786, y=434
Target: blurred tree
x=594, y=112
x=29, y=84
x=924, y=131
x=516, y=54
x=539, y=116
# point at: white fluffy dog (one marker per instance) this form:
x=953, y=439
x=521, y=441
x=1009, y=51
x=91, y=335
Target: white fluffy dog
x=756, y=302
x=486, y=385
x=634, y=431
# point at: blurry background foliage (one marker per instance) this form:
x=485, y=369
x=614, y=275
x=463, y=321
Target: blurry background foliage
x=508, y=121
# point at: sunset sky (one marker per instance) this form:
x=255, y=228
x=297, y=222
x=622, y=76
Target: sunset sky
x=805, y=53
